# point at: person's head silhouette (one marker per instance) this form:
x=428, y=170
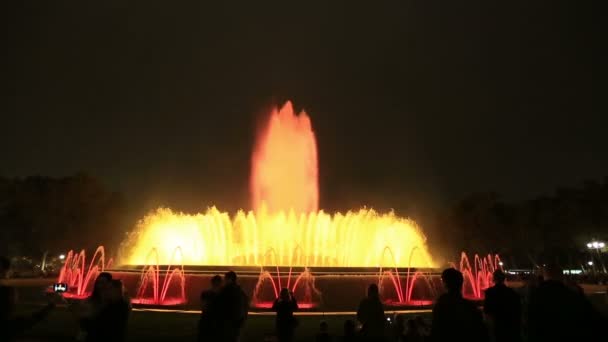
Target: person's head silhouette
x=372, y=291
x=452, y=279
x=102, y=284
x=499, y=277
x=284, y=295
x=104, y=277
x=230, y=277
x=216, y=282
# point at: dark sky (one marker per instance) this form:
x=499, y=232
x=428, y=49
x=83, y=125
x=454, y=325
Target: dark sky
x=414, y=103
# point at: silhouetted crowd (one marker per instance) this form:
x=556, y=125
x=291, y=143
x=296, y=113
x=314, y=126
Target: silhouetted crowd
x=101, y=317
x=224, y=309
x=548, y=309
x=104, y=315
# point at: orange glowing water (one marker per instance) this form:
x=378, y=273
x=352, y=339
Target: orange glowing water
x=284, y=164
x=286, y=228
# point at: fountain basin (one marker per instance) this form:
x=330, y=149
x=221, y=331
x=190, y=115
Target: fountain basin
x=327, y=288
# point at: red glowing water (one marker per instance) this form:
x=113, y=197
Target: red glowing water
x=479, y=277
x=284, y=171
x=303, y=288
x=404, y=293
x=151, y=274
x=79, y=278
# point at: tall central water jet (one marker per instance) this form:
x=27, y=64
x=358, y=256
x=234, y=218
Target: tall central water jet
x=285, y=227
x=284, y=171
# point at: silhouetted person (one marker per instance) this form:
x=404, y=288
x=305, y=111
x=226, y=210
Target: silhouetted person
x=233, y=306
x=323, y=334
x=455, y=318
x=210, y=312
x=122, y=305
x=286, y=323
x=107, y=312
x=371, y=315
x=502, y=305
x=558, y=313
x=350, y=331
x=12, y=325
x=91, y=310
x=115, y=313
x=413, y=333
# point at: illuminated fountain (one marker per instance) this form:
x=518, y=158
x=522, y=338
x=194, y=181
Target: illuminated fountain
x=303, y=288
x=327, y=260
x=336, y=254
x=285, y=219
x=154, y=292
x=479, y=277
x=400, y=292
x=80, y=278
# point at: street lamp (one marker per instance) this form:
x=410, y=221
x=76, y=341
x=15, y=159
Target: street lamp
x=597, y=245
x=590, y=263
x=500, y=263
x=61, y=256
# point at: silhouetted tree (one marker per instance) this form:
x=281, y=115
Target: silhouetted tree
x=42, y=213
x=544, y=228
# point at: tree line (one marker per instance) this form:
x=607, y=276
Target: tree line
x=40, y=214
x=554, y=228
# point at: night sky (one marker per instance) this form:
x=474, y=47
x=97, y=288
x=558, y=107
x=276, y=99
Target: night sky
x=415, y=104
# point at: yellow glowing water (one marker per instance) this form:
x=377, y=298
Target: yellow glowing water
x=362, y=238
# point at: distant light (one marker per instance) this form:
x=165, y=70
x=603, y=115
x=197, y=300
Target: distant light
x=500, y=263
x=61, y=256
x=590, y=263
x=596, y=244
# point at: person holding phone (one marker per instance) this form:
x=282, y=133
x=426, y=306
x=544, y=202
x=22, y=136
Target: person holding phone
x=12, y=325
x=286, y=323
